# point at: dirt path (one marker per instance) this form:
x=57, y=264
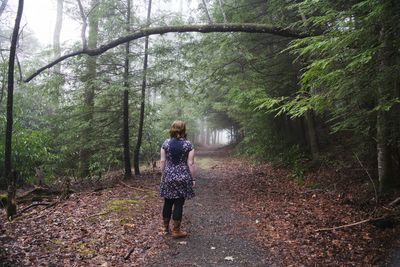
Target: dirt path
x=244, y=214
x=256, y=214
x=219, y=236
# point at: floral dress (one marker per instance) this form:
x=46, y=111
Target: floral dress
x=176, y=179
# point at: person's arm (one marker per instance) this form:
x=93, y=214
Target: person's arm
x=192, y=166
x=162, y=160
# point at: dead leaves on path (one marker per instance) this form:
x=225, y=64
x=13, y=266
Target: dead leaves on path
x=100, y=228
x=90, y=228
x=286, y=216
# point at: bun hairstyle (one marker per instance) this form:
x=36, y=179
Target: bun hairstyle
x=178, y=129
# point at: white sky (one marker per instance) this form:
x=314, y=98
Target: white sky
x=39, y=16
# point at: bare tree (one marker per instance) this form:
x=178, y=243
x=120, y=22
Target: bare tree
x=11, y=208
x=84, y=24
x=127, y=157
x=56, y=44
x=3, y=6
x=57, y=29
x=206, y=11
x=382, y=119
x=221, y=8
x=89, y=91
x=136, y=159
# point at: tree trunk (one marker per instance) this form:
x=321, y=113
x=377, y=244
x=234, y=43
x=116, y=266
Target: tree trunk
x=136, y=160
x=382, y=129
x=221, y=8
x=206, y=11
x=11, y=210
x=207, y=135
x=312, y=135
x=3, y=6
x=57, y=46
x=84, y=25
x=127, y=156
x=57, y=30
x=89, y=92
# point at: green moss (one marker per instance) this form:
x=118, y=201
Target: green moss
x=57, y=242
x=85, y=249
x=121, y=204
x=123, y=221
x=151, y=193
x=205, y=163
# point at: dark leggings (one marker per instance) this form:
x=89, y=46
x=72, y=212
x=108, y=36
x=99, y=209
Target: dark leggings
x=177, y=203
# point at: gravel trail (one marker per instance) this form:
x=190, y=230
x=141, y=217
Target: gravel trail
x=218, y=235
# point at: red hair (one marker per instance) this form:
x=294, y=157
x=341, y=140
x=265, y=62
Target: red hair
x=178, y=129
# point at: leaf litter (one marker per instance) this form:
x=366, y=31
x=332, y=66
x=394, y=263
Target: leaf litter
x=287, y=214
x=99, y=228
x=90, y=228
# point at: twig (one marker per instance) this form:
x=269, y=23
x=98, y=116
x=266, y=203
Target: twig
x=394, y=202
x=47, y=204
x=370, y=178
x=129, y=253
x=343, y=226
x=136, y=188
x=98, y=214
x=352, y=224
x=34, y=205
x=52, y=204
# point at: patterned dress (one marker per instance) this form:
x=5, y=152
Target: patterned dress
x=176, y=179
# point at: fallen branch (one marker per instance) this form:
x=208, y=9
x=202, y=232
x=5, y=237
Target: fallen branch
x=375, y=221
x=35, y=205
x=343, y=226
x=38, y=194
x=98, y=214
x=46, y=204
x=135, y=188
x=52, y=204
x=129, y=253
x=394, y=202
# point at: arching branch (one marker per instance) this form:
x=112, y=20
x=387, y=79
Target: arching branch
x=231, y=27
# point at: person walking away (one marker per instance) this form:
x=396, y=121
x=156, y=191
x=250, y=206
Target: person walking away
x=177, y=180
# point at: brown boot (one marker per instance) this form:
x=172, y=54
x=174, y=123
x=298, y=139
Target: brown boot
x=176, y=231
x=166, y=225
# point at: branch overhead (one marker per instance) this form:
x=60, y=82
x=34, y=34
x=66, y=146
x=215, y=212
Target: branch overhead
x=230, y=27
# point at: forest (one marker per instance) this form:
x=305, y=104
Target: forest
x=294, y=105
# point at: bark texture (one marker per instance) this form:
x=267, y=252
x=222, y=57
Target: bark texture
x=57, y=46
x=382, y=119
x=312, y=135
x=84, y=24
x=136, y=160
x=89, y=92
x=9, y=124
x=127, y=156
x=3, y=6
